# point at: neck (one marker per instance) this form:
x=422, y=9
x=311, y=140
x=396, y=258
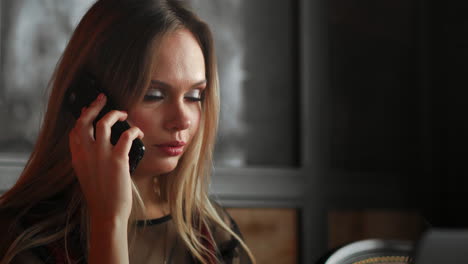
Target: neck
x=155, y=206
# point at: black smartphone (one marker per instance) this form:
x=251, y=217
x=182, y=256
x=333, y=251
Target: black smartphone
x=83, y=92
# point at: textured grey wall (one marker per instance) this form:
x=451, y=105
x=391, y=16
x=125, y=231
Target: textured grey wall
x=34, y=34
x=256, y=44
x=257, y=47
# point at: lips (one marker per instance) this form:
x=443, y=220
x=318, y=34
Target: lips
x=174, y=148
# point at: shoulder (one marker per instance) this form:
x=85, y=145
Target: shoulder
x=228, y=246
x=227, y=219
x=221, y=211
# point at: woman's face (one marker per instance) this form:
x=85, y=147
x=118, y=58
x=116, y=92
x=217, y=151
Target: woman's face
x=170, y=112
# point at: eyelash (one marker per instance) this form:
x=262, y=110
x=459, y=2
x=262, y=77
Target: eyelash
x=194, y=99
x=152, y=98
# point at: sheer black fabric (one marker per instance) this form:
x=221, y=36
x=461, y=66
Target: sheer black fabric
x=157, y=242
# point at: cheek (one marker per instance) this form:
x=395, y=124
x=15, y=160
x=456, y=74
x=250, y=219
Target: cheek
x=195, y=118
x=144, y=120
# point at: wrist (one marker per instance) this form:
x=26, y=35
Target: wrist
x=105, y=223
x=108, y=240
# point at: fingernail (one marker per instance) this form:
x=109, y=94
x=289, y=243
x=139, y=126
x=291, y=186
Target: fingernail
x=100, y=96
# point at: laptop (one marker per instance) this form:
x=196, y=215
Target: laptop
x=443, y=246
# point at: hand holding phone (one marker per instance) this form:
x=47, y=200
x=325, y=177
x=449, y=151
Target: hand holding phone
x=82, y=93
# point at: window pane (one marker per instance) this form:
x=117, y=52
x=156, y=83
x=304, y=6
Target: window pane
x=32, y=38
x=258, y=69
x=257, y=47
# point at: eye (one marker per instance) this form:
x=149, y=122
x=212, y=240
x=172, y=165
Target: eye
x=195, y=95
x=153, y=94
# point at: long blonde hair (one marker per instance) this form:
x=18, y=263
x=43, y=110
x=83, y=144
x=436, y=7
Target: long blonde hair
x=116, y=42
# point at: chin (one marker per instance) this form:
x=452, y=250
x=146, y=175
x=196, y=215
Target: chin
x=158, y=166
x=166, y=169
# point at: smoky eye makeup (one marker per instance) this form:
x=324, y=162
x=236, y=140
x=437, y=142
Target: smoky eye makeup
x=160, y=91
x=153, y=94
x=195, y=95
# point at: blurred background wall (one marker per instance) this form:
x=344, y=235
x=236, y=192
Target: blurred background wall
x=340, y=120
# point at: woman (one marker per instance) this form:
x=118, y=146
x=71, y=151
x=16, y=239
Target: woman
x=76, y=201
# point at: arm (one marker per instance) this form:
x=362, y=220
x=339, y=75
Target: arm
x=108, y=241
x=104, y=176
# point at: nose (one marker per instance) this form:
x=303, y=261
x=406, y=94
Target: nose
x=177, y=117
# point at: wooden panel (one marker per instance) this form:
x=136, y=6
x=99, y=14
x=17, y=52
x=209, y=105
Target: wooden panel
x=346, y=226
x=271, y=234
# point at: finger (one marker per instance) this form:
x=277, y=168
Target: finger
x=122, y=148
x=104, y=126
x=83, y=130
x=84, y=124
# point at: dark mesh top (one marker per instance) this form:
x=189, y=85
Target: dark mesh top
x=157, y=242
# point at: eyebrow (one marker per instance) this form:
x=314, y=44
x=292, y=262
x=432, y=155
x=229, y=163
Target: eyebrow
x=167, y=86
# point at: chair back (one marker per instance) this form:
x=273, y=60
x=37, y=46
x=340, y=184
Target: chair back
x=373, y=251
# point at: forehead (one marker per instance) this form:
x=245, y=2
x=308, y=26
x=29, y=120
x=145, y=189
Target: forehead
x=178, y=58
